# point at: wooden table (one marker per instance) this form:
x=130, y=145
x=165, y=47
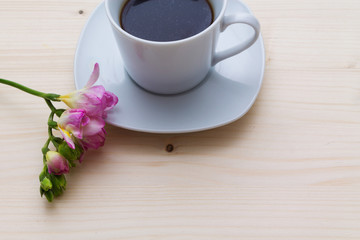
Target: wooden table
x=289, y=169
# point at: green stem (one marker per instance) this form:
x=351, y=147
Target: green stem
x=48, y=96
x=58, y=112
x=51, y=106
x=53, y=139
x=51, y=118
x=45, y=148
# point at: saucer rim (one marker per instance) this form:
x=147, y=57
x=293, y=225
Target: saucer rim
x=178, y=130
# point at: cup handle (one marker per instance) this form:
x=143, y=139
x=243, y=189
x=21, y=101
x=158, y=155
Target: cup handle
x=244, y=18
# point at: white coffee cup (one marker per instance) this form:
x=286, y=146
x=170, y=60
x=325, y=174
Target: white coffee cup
x=177, y=66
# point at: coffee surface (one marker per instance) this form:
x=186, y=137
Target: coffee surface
x=165, y=20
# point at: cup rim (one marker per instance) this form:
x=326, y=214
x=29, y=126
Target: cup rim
x=209, y=28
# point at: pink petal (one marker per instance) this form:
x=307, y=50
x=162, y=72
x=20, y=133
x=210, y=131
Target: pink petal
x=65, y=134
x=94, y=141
x=94, y=76
x=85, y=120
x=73, y=120
x=111, y=100
x=97, y=91
x=81, y=157
x=95, y=126
x=104, y=116
x=91, y=100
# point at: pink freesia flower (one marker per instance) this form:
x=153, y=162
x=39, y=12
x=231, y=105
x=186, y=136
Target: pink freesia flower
x=95, y=100
x=74, y=123
x=71, y=123
x=56, y=163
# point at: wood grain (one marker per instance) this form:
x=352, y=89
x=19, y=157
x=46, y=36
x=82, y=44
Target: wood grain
x=289, y=169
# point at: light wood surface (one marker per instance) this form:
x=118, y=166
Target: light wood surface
x=289, y=169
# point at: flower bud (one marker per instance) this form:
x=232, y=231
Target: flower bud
x=49, y=195
x=46, y=184
x=56, y=163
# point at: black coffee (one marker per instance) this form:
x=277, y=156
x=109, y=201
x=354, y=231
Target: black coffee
x=165, y=20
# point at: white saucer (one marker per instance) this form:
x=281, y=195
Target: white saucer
x=224, y=96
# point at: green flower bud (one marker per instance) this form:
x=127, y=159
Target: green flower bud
x=49, y=196
x=59, y=184
x=46, y=184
